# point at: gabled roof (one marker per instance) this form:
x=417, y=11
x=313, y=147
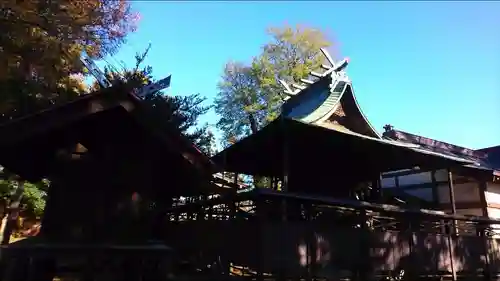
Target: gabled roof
x=112, y=122
x=329, y=100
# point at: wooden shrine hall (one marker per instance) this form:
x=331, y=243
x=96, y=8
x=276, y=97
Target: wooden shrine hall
x=321, y=174
x=109, y=161
x=326, y=214
x=318, y=160
x=323, y=141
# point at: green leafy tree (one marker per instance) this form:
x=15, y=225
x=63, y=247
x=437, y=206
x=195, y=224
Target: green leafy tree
x=238, y=101
x=32, y=203
x=294, y=52
x=18, y=197
x=40, y=48
x=183, y=112
x=249, y=95
x=41, y=45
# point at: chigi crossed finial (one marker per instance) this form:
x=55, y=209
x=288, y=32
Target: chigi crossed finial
x=388, y=127
x=334, y=67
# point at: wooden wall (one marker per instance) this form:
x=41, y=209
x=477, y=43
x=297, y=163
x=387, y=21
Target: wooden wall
x=467, y=191
x=289, y=248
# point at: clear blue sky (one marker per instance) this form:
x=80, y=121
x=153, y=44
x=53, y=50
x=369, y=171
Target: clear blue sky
x=430, y=68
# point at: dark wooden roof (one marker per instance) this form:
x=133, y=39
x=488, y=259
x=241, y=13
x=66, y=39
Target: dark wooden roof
x=484, y=161
x=493, y=156
x=310, y=147
x=434, y=145
x=116, y=128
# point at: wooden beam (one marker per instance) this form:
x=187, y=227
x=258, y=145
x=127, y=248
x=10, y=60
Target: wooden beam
x=359, y=205
x=494, y=205
x=405, y=172
x=225, y=183
x=429, y=184
x=461, y=205
x=477, y=174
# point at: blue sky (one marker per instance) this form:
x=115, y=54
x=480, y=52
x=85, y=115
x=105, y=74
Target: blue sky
x=429, y=68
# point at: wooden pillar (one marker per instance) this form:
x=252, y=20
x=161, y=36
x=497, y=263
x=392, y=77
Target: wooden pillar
x=483, y=186
x=411, y=243
x=284, y=188
x=365, y=269
x=286, y=167
x=376, y=192
x=285, y=159
x=309, y=243
x=435, y=198
x=210, y=212
x=380, y=187
x=435, y=192
x=50, y=222
x=201, y=208
x=453, y=229
x=259, y=237
x=451, y=190
x=235, y=179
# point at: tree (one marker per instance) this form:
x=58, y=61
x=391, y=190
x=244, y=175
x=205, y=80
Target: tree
x=249, y=95
x=238, y=101
x=295, y=52
x=41, y=45
x=40, y=48
x=182, y=112
x=19, y=197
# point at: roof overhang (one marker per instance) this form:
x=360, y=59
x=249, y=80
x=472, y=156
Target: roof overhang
x=309, y=146
x=482, y=161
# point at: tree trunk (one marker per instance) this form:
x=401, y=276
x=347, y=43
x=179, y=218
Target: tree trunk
x=253, y=123
x=9, y=220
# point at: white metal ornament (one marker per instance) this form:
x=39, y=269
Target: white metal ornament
x=335, y=68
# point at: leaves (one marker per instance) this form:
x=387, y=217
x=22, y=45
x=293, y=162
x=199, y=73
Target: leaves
x=238, y=101
x=182, y=112
x=249, y=95
x=41, y=44
x=294, y=52
x=33, y=200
